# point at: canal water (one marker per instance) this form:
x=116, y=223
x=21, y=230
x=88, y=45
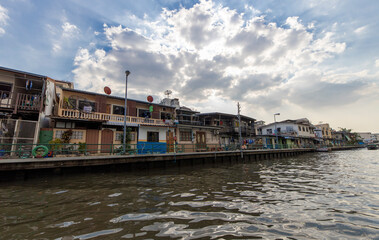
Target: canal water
x=313, y=196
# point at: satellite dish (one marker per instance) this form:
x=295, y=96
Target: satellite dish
x=150, y=98
x=107, y=90
x=168, y=93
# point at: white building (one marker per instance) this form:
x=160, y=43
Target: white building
x=290, y=133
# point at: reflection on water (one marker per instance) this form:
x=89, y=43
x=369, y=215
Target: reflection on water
x=320, y=195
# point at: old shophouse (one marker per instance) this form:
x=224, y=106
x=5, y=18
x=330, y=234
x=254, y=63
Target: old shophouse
x=25, y=101
x=98, y=120
x=192, y=134
x=290, y=133
x=229, y=126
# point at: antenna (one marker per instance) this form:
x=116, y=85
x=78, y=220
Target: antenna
x=167, y=93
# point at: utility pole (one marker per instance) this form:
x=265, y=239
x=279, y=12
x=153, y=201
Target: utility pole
x=239, y=127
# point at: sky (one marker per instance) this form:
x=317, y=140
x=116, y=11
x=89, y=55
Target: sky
x=315, y=59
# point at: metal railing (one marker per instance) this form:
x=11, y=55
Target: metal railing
x=28, y=150
x=23, y=101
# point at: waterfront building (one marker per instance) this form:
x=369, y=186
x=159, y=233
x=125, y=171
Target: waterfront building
x=290, y=133
x=98, y=120
x=367, y=137
x=26, y=101
x=257, y=127
x=192, y=134
x=229, y=126
x=326, y=133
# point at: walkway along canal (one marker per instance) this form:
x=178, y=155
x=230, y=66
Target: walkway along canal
x=11, y=168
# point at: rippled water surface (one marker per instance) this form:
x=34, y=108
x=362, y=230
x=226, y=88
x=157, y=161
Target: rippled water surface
x=313, y=196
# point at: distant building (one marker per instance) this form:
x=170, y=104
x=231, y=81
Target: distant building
x=326, y=132
x=229, y=124
x=290, y=133
x=367, y=137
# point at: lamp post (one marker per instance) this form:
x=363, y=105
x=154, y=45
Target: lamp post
x=127, y=72
x=239, y=127
x=276, y=130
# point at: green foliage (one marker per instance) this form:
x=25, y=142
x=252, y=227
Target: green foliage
x=82, y=147
x=66, y=136
x=56, y=144
x=127, y=140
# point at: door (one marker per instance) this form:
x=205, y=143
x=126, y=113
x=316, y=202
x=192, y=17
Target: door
x=45, y=136
x=92, y=140
x=201, y=140
x=106, y=141
x=170, y=141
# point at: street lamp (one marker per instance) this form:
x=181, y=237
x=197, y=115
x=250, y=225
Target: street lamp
x=276, y=130
x=127, y=72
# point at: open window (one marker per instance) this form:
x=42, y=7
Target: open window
x=87, y=106
x=119, y=110
x=5, y=90
x=145, y=113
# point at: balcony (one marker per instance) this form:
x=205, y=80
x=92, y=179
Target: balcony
x=189, y=122
x=20, y=101
x=105, y=117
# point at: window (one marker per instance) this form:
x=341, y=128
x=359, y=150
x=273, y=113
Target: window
x=303, y=129
x=299, y=128
x=153, y=136
x=77, y=135
x=120, y=134
x=119, y=110
x=5, y=90
x=85, y=105
x=65, y=125
x=269, y=131
x=143, y=113
x=185, y=135
x=58, y=134
x=166, y=115
x=278, y=130
x=289, y=129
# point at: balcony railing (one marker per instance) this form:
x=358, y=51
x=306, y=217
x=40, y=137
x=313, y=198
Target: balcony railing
x=96, y=116
x=189, y=122
x=23, y=101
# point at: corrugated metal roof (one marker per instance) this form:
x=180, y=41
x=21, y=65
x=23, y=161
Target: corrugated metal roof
x=21, y=72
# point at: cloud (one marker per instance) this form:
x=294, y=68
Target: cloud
x=209, y=51
x=377, y=63
x=360, y=30
x=62, y=36
x=69, y=30
x=3, y=19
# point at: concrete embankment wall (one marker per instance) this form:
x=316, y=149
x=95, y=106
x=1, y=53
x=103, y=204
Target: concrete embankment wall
x=20, y=168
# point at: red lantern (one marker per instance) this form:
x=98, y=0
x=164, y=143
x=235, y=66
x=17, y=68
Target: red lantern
x=107, y=90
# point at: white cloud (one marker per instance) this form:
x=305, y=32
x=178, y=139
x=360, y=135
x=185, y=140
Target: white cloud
x=209, y=52
x=377, y=63
x=63, y=36
x=293, y=22
x=69, y=30
x=3, y=19
x=360, y=30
